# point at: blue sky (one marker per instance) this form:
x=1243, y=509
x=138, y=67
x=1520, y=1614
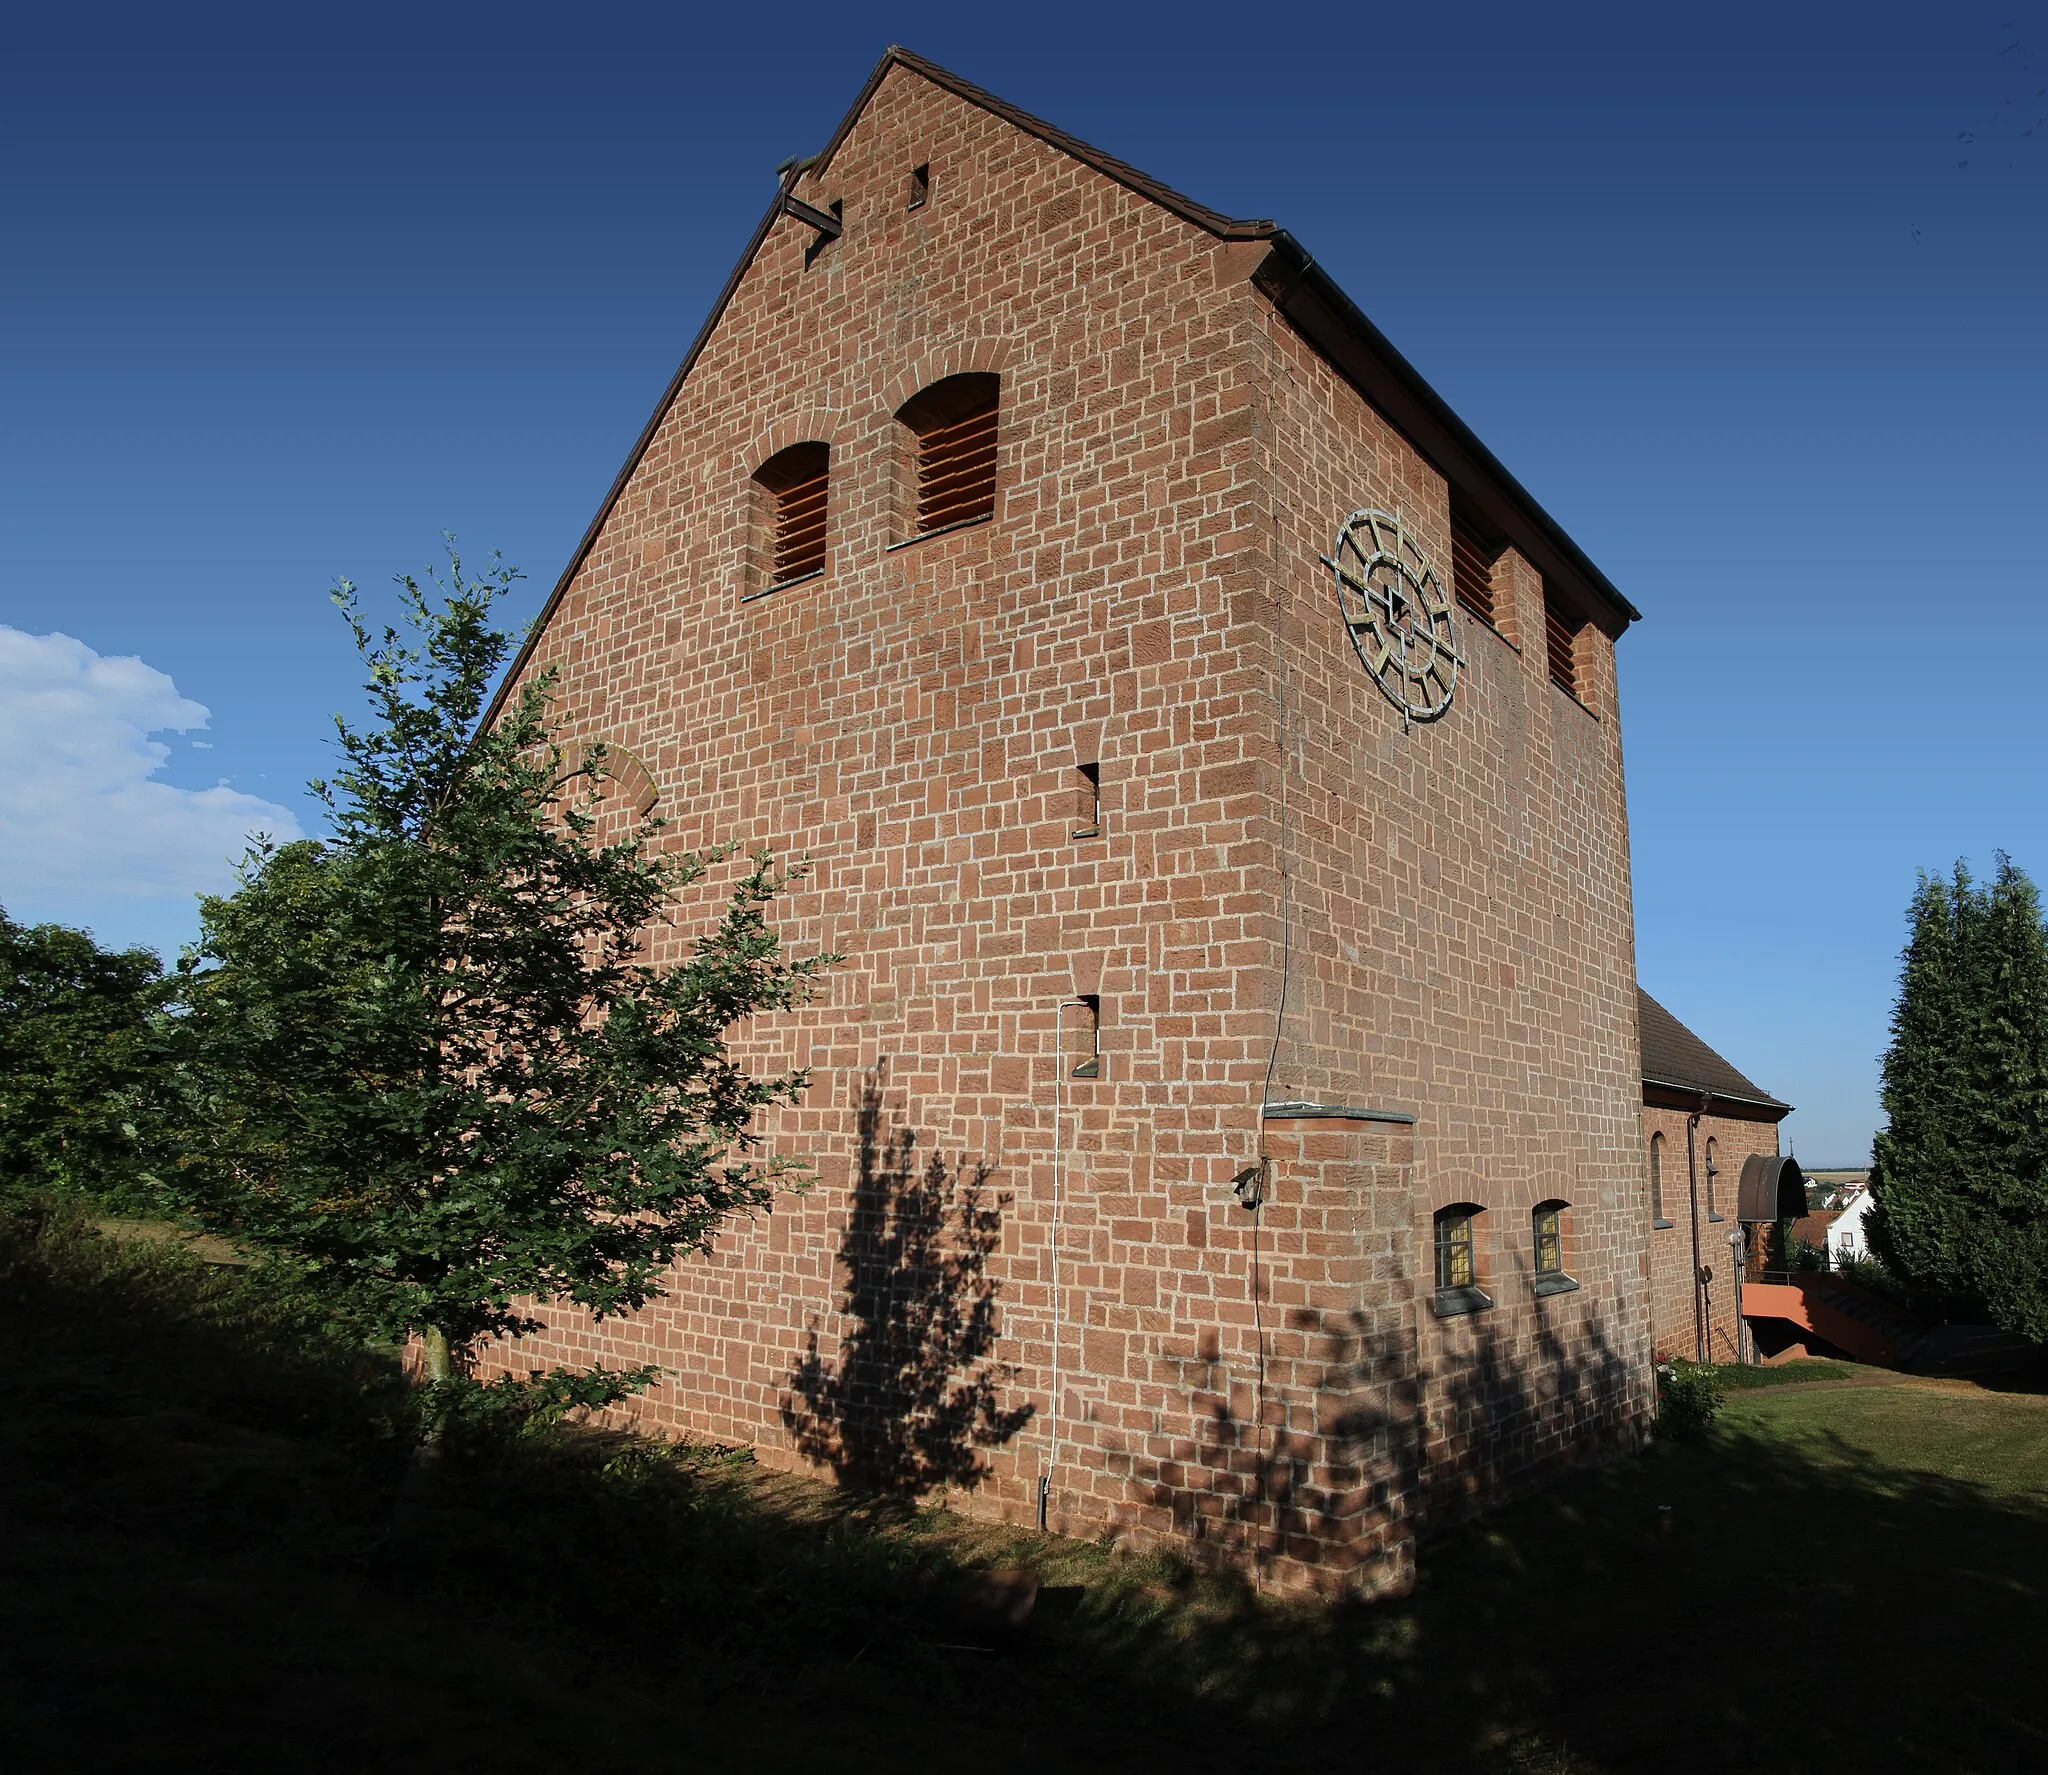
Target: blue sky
x=1751, y=298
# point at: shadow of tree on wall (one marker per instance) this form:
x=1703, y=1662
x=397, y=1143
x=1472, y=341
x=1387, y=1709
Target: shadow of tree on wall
x=193, y=1463
x=915, y=1392
x=1367, y=1454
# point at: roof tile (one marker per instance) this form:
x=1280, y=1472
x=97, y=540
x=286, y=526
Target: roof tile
x=1673, y=1055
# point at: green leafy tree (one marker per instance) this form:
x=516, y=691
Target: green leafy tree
x=1960, y=1173
x=74, y=1063
x=429, y=1060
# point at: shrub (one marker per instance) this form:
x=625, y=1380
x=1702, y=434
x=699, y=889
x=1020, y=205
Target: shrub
x=1688, y=1400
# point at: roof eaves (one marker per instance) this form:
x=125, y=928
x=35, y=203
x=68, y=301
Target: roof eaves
x=1693, y=1088
x=1317, y=306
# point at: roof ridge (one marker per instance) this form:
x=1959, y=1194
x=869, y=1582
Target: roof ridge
x=1132, y=178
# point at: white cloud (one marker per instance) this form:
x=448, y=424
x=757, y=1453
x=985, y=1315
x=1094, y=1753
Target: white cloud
x=80, y=813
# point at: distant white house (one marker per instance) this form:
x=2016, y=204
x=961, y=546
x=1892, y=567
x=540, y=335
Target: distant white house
x=1847, y=1237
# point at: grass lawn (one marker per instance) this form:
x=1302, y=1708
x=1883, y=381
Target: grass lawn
x=196, y=1485
x=1732, y=1377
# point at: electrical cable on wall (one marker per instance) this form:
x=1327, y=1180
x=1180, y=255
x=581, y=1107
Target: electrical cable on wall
x=1265, y=1163
x=1059, y=1182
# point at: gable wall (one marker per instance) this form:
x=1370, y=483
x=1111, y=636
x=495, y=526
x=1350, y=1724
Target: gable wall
x=1171, y=459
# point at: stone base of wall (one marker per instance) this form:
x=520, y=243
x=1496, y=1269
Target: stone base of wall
x=1304, y=1441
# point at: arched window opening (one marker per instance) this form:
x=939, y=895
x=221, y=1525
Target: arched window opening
x=1458, y=1287
x=1657, y=1181
x=953, y=423
x=797, y=481
x=1547, y=1231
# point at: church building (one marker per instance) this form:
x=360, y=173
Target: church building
x=1226, y=1120
x=1719, y=1190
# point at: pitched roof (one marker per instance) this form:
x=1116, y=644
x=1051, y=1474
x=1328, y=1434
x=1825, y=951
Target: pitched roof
x=1812, y=1229
x=1678, y=1060
x=1290, y=278
x=895, y=56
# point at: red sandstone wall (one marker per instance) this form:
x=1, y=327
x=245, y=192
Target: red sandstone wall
x=1671, y=1260
x=1464, y=951
x=1172, y=462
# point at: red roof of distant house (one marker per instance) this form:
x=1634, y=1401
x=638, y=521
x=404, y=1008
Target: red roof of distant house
x=1813, y=1228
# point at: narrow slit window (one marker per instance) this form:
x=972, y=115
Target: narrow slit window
x=1713, y=1172
x=1087, y=800
x=1561, y=640
x=953, y=424
x=1088, y=1058
x=1657, y=1180
x=920, y=186
x=797, y=481
x=1472, y=574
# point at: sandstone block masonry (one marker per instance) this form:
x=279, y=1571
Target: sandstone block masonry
x=1150, y=901
x=1698, y=1203
x=1702, y=1118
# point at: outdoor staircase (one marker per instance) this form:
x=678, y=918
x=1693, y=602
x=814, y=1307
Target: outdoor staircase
x=1862, y=1325
x=1975, y=1352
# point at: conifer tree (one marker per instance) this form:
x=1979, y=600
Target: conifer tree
x=1919, y=1225
x=2008, y=1183
x=428, y=1059
x=1960, y=1173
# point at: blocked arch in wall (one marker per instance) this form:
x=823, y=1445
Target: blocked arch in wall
x=624, y=773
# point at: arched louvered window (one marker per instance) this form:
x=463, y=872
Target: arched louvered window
x=953, y=425
x=1472, y=573
x=1561, y=644
x=796, y=481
